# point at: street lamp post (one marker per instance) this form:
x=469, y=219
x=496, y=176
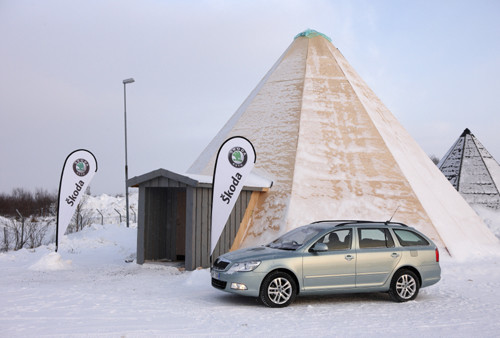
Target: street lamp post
x=125, y=82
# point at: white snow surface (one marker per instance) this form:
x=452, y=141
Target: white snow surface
x=87, y=289
x=490, y=216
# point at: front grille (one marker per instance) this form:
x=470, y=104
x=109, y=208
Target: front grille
x=220, y=264
x=219, y=284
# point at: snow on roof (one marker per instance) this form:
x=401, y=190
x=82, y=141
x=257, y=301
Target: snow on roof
x=254, y=182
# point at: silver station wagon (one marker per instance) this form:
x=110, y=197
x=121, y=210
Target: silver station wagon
x=332, y=257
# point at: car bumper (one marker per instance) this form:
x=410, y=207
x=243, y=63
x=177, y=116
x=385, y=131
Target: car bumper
x=242, y=283
x=431, y=274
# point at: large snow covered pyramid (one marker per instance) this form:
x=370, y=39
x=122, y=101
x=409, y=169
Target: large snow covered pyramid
x=334, y=151
x=472, y=170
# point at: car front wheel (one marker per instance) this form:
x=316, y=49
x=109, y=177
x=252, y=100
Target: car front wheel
x=278, y=289
x=404, y=286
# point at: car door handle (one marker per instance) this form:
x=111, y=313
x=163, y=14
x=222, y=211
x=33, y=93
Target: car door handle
x=395, y=255
x=349, y=257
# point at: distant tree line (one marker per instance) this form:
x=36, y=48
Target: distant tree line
x=38, y=203
x=434, y=159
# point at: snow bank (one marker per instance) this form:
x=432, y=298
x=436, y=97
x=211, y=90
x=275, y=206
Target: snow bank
x=491, y=218
x=198, y=278
x=106, y=209
x=50, y=262
x=3, y=221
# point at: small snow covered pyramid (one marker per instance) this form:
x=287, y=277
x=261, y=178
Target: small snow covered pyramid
x=472, y=170
x=334, y=151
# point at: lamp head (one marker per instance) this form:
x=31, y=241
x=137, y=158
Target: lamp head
x=131, y=80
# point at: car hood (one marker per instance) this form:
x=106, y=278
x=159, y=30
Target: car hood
x=255, y=253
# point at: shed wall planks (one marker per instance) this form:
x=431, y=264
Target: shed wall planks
x=199, y=240
x=205, y=224
x=155, y=233
x=159, y=222
x=140, y=225
x=190, y=262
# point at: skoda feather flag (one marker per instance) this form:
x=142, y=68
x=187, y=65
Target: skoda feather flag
x=235, y=160
x=78, y=170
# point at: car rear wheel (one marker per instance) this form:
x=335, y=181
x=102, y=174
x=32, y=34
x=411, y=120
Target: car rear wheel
x=404, y=286
x=278, y=289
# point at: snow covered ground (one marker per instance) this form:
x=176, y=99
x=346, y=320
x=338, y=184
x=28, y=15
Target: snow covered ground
x=87, y=289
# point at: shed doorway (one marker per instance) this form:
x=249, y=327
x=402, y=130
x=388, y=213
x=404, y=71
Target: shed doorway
x=165, y=235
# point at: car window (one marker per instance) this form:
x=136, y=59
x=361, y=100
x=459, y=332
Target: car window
x=375, y=238
x=410, y=238
x=337, y=240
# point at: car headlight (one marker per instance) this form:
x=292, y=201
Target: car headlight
x=244, y=266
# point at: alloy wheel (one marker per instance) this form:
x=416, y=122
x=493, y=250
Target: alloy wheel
x=279, y=290
x=406, y=286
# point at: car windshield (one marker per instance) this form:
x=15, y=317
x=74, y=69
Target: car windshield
x=294, y=239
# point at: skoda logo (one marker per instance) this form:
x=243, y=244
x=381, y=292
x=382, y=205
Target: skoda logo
x=81, y=167
x=237, y=157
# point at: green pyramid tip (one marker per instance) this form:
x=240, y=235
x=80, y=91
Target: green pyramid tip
x=311, y=33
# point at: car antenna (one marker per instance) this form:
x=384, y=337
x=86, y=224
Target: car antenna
x=390, y=219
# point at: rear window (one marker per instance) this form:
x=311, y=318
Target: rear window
x=410, y=238
x=375, y=238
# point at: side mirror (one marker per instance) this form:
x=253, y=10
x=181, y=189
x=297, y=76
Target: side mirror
x=319, y=247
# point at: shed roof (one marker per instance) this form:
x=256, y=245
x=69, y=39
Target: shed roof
x=254, y=182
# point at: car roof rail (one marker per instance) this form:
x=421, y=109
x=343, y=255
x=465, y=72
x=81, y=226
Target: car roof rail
x=343, y=222
x=396, y=223
x=335, y=221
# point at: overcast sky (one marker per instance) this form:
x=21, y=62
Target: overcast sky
x=435, y=64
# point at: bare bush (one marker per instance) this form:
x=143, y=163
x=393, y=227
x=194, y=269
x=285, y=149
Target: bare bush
x=434, y=159
x=14, y=233
x=36, y=231
x=83, y=217
x=38, y=203
x=5, y=241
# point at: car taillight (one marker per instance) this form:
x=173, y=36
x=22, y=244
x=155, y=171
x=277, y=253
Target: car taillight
x=437, y=255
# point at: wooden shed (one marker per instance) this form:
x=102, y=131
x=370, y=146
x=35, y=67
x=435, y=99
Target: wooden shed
x=174, y=217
